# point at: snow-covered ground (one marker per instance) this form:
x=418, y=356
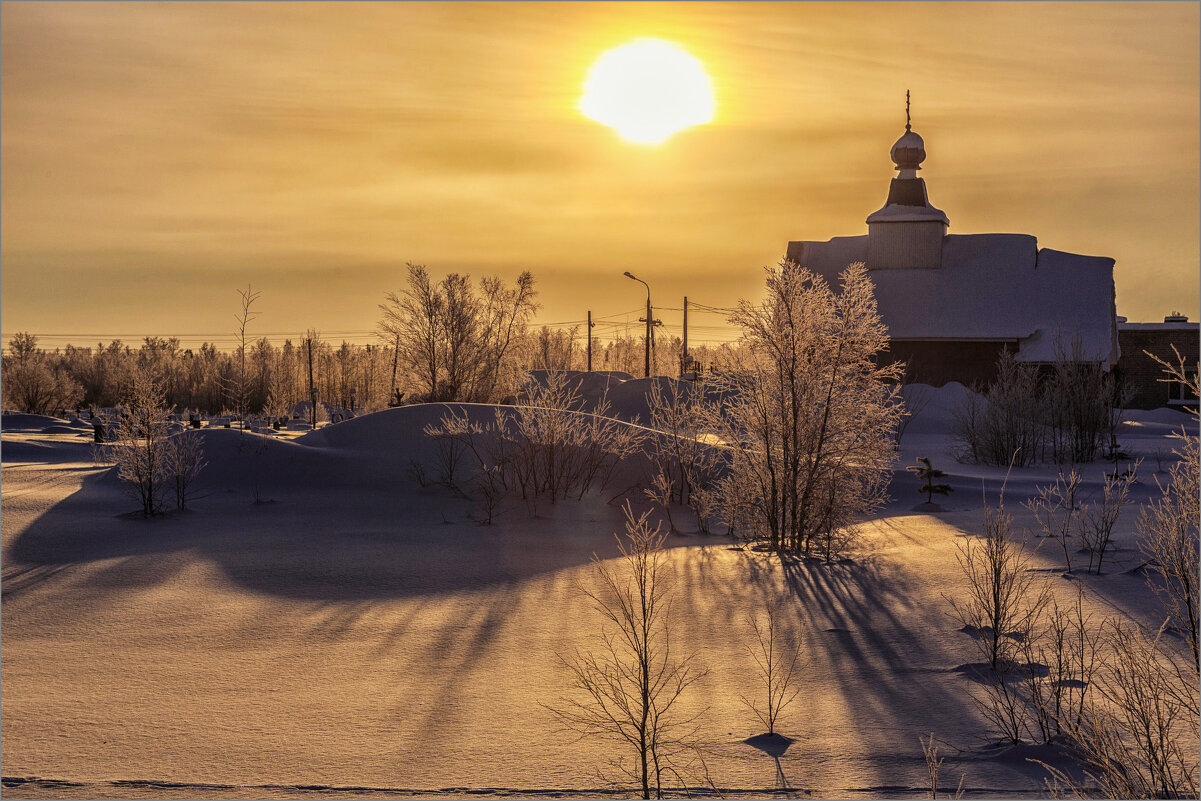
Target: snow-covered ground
x=319, y=625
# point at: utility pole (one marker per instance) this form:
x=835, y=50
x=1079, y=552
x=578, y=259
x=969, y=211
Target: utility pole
x=590, y=340
x=684, y=355
x=649, y=319
x=312, y=386
x=649, y=331
x=395, y=356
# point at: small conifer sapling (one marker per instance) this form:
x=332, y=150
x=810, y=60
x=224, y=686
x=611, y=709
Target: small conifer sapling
x=927, y=472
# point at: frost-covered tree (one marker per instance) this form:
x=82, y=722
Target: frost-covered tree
x=807, y=413
x=139, y=443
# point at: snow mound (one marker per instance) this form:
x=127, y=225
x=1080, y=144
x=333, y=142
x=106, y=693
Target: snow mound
x=394, y=433
x=933, y=408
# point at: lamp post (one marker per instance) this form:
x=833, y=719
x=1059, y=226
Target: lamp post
x=648, y=319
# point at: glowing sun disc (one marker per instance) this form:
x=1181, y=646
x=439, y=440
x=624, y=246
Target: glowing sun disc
x=648, y=90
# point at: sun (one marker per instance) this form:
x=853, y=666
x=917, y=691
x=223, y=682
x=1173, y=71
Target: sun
x=648, y=90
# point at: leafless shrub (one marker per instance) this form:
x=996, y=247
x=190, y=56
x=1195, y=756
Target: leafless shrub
x=1002, y=601
x=1138, y=736
x=1168, y=529
x=183, y=459
x=1101, y=517
x=661, y=492
x=542, y=447
x=1068, y=416
x=1067, y=644
x=683, y=451
x=933, y=764
x=1079, y=399
x=777, y=660
x=449, y=449
x=628, y=690
x=1055, y=510
x=1001, y=424
x=1003, y=704
x=913, y=399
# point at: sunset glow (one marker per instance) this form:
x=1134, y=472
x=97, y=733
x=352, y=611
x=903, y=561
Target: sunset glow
x=648, y=90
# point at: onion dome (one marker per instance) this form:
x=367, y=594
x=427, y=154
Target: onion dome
x=909, y=151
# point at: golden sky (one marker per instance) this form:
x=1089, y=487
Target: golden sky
x=155, y=157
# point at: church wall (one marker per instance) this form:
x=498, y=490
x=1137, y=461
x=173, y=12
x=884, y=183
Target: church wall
x=937, y=363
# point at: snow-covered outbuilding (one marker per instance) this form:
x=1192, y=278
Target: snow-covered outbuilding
x=953, y=302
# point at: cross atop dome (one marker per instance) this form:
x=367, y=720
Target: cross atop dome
x=910, y=150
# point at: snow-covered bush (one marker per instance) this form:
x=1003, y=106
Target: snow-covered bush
x=544, y=446
x=806, y=414
x=683, y=459
x=1138, y=735
x=183, y=459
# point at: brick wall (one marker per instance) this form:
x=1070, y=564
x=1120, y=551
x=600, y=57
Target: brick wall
x=1139, y=372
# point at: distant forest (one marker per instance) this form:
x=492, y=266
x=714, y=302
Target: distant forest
x=445, y=340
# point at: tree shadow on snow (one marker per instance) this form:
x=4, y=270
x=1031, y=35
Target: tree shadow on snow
x=341, y=544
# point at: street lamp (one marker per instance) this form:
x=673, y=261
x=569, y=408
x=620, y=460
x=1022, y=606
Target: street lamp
x=633, y=277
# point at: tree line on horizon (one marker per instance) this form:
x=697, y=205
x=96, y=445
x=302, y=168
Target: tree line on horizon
x=440, y=340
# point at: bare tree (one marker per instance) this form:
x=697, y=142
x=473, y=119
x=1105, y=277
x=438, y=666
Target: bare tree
x=457, y=342
x=777, y=660
x=629, y=689
x=239, y=389
x=412, y=319
x=807, y=414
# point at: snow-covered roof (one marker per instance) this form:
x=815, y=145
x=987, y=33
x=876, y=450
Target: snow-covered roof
x=1184, y=326
x=989, y=287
